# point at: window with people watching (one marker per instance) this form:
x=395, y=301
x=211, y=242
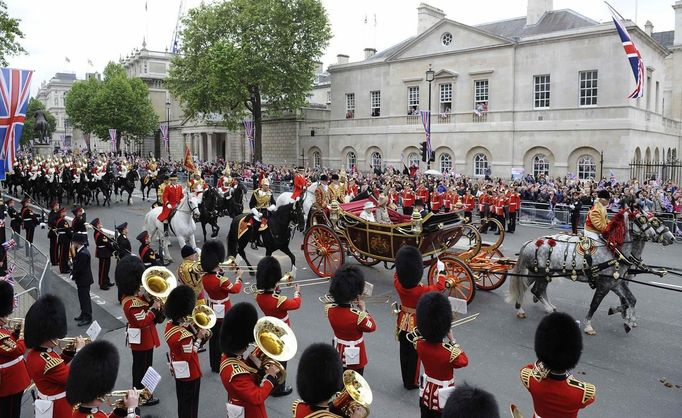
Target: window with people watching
x=587, y=168
x=445, y=163
x=413, y=100
x=376, y=160
x=375, y=103
x=480, y=165
x=351, y=160
x=350, y=105
x=413, y=159
x=317, y=159
x=540, y=166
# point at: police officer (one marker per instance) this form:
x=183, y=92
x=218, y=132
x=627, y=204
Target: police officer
x=122, y=242
x=78, y=224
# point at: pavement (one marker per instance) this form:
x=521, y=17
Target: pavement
x=629, y=370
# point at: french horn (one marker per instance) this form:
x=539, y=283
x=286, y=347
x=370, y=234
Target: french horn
x=356, y=393
x=158, y=282
x=275, y=342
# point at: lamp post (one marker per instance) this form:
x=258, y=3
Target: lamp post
x=601, y=166
x=168, y=105
x=430, y=75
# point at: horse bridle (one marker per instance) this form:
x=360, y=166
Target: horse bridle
x=645, y=223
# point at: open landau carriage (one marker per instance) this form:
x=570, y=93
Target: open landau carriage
x=341, y=232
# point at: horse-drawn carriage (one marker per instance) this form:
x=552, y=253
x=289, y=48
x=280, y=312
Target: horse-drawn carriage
x=341, y=232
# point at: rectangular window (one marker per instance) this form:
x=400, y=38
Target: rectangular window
x=541, y=91
x=480, y=92
x=446, y=98
x=657, y=97
x=350, y=105
x=375, y=103
x=413, y=100
x=329, y=96
x=588, y=88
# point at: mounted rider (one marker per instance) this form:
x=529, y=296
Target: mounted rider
x=262, y=202
x=597, y=219
x=196, y=184
x=171, y=197
x=226, y=184
x=152, y=171
x=300, y=183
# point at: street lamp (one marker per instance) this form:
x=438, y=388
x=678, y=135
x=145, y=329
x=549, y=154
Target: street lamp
x=430, y=75
x=168, y=105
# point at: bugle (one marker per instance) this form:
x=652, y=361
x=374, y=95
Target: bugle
x=119, y=396
x=158, y=282
x=413, y=336
x=275, y=342
x=356, y=394
x=69, y=343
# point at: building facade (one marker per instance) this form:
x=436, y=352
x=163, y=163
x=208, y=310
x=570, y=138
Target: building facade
x=51, y=94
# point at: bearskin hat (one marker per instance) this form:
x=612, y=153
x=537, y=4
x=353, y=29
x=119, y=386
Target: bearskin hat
x=324, y=177
x=268, y=274
x=558, y=342
x=320, y=373
x=92, y=372
x=45, y=320
x=236, y=332
x=603, y=194
x=6, y=298
x=347, y=284
x=180, y=302
x=212, y=253
x=434, y=316
x=409, y=266
x=471, y=402
x=128, y=275
x=335, y=177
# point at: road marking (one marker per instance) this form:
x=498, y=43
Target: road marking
x=667, y=284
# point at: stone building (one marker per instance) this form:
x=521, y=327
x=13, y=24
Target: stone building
x=51, y=94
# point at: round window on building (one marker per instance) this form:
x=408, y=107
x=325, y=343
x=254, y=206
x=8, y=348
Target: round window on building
x=446, y=38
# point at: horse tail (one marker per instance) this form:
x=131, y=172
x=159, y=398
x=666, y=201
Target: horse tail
x=517, y=283
x=232, y=240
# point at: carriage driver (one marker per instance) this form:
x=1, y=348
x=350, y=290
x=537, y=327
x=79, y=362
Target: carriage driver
x=597, y=220
x=172, y=195
x=262, y=202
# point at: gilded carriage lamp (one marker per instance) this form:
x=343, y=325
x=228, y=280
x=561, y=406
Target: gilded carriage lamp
x=334, y=212
x=416, y=222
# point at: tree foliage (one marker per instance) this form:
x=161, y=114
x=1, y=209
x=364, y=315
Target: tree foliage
x=9, y=35
x=241, y=56
x=115, y=102
x=28, y=132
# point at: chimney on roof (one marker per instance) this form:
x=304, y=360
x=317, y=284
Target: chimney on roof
x=537, y=8
x=678, y=22
x=369, y=52
x=342, y=59
x=649, y=27
x=428, y=16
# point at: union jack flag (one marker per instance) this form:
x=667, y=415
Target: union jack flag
x=632, y=53
x=15, y=86
x=249, y=127
x=426, y=116
x=164, y=136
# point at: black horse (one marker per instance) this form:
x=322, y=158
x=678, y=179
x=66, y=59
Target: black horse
x=126, y=184
x=213, y=206
x=276, y=237
x=103, y=186
x=83, y=194
x=148, y=183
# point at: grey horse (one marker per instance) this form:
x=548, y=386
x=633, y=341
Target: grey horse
x=539, y=261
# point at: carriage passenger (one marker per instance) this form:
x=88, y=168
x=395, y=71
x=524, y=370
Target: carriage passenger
x=368, y=212
x=381, y=215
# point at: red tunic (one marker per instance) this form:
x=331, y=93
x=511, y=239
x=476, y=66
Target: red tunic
x=500, y=203
x=181, y=346
x=274, y=304
x=303, y=410
x=514, y=202
x=483, y=200
x=218, y=288
x=243, y=387
x=408, y=198
x=349, y=325
x=469, y=201
x=394, y=197
x=556, y=396
x=139, y=315
x=423, y=194
x=436, y=200
x=299, y=186
x=172, y=195
x=439, y=360
x=408, y=301
x=49, y=372
x=13, y=375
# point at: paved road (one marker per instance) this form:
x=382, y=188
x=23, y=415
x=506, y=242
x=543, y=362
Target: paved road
x=626, y=369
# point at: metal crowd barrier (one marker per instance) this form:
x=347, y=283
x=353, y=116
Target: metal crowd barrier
x=542, y=214
x=28, y=264
x=673, y=221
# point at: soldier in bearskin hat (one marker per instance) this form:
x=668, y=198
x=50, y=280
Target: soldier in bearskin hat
x=92, y=376
x=13, y=375
x=246, y=390
x=348, y=322
x=44, y=325
x=183, y=345
x=434, y=318
x=470, y=402
x=555, y=392
x=142, y=317
x=218, y=289
x=409, y=269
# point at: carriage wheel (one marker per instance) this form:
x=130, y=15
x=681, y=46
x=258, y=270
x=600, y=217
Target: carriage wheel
x=364, y=260
x=457, y=271
x=323, y=250
x=491, y=280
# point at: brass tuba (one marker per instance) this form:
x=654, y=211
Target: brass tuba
x=159, y=282
x=356, y=393
x=275, y=342
x=204, y=317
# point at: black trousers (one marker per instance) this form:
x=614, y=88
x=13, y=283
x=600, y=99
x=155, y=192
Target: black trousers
x=468, y=215
x=502, y=220
x=428, y=413
x=188, y=397
x=85, y=302
x=10, y=406
x=512, y=222
x=280, y=388
x=29, y=234
x=64, y=256
x=54, y=251
x=142, y=360
x=485, y=214
x=408, y=362
x=103, y=275
x=3, y=236
x=214, y=346
x=574, y=225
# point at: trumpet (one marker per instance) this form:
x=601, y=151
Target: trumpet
x=144, y=395
x=275, y=342
x=158, y=282
x=204, y=317
x=356, y=394
x=413, y=336
x=287, y=283
x=69, y=343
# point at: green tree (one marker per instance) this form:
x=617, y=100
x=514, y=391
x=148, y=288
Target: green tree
x=116, y=102
x=242, y=56
x=28, y=132
x=9, y=35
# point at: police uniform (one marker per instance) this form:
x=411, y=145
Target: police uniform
x=103, y=251
x=147, y=255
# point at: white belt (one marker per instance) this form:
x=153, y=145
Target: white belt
x=51, y=398
x=81, y=232
x=11, y=363
x=28, y=219
x=60, y=233
x=219, y=301
x=101, y=246
x=349, y=343
x=441, y=383
x=286, y=318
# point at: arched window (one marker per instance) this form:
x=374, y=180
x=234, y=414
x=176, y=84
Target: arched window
x=540, y=165
x=375, y=159
x=587, y=169
x=351, y=160
x=480, y=164
x=413, y=159
x=445, y=163
x=317, y=159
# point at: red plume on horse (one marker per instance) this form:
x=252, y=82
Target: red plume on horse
x=615, y=231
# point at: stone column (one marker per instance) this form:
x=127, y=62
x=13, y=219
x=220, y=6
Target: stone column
x=202, y=155
x=210, y=153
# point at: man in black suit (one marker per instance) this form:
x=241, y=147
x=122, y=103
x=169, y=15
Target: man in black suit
x=82, y=275
x=575, y=205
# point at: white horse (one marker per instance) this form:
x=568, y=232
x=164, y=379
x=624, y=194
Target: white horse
x=183, y=224
x=308, y=199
